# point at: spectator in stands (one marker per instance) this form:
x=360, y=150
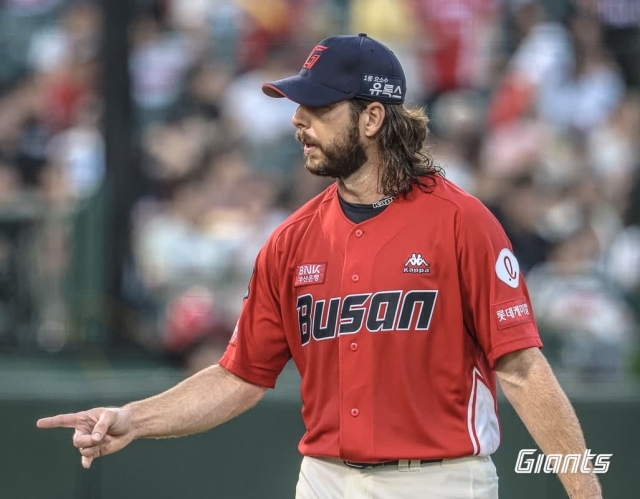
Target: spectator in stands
x=264, y=124
x=160, y=60
x=587, y=94
x=620, y=20
x=582, y=313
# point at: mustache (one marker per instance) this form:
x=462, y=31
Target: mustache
x=302, y=136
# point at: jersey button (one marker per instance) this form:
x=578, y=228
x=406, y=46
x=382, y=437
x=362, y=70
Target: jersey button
x=359, y=233
x=354, y=346
x=355, y=277
x=355, y=412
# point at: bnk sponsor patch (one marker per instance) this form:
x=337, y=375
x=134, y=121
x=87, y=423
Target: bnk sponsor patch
x=310, y=273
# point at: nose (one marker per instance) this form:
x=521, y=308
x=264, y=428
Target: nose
x=300, y=118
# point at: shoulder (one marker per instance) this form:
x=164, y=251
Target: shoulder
x=289, y=231
x=463, y=206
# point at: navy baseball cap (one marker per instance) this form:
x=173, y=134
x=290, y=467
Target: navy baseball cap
x=344, y=67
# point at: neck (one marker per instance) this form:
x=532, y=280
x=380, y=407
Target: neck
x=363, y=186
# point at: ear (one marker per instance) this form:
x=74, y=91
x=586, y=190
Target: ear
x=373, y=116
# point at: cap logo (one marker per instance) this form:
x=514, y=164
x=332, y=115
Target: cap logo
x=381, y=86
x=314, y=56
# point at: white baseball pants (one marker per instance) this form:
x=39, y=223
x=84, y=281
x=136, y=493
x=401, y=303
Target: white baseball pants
x=465, y=478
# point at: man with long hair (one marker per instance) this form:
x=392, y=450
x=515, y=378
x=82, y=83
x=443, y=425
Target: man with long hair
x=400, y=300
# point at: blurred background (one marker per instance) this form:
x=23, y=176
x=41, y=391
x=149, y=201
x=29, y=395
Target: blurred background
x=142, y=168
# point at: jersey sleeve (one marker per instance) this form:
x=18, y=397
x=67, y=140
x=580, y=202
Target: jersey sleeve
x=258, y=349
x=496, y=301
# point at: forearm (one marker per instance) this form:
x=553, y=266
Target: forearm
x=544, y=408
x=199, y=403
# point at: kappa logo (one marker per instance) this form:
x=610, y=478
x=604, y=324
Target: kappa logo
x=416, y=264
x=314, y=56
x=383, y=202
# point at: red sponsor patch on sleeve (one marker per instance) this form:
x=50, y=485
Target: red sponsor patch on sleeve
x=512, y=312
x=310, y=273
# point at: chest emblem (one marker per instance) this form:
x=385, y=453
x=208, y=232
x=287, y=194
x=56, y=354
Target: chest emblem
x=416, y=264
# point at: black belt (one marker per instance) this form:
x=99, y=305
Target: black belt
x=362, y=466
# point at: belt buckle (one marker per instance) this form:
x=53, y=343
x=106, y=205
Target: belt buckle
x=358, y=466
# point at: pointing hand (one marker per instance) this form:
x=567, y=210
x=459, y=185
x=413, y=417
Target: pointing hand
x=98, y=432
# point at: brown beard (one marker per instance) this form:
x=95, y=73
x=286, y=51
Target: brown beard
x=342, y=158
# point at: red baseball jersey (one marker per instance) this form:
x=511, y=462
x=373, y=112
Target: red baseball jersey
x=395, y=325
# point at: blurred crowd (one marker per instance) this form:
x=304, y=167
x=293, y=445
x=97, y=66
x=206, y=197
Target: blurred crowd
x=534, y=108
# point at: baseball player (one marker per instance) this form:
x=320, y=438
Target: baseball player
x=398, y=297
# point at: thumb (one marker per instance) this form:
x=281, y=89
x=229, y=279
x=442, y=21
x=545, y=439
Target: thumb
x=106, y=421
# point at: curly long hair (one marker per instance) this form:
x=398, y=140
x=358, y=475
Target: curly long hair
x=406, y=158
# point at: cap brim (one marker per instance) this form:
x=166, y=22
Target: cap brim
x=305, y=91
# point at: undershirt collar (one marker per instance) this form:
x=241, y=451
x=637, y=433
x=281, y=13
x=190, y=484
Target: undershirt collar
x=358, y=213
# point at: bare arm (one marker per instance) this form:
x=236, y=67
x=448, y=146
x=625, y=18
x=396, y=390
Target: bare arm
x=531, y=387
x=205, y=400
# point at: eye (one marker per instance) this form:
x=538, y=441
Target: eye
x=319, y=110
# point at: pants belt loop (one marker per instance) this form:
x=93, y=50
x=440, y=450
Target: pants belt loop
x=403, y=465
x=414, y=465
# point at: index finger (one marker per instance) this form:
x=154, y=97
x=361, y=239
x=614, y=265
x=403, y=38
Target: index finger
x=59, y=421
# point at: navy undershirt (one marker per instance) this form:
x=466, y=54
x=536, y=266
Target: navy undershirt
x=358, y=213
